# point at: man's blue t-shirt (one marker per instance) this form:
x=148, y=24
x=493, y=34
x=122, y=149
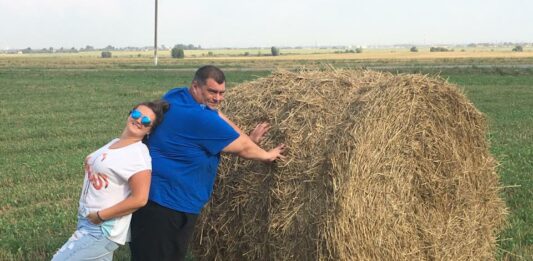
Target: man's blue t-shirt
x=185, y=150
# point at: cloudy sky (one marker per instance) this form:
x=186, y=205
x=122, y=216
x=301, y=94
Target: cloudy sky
x=253, y=23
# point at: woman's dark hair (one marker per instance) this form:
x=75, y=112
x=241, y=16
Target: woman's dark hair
x=159, y=107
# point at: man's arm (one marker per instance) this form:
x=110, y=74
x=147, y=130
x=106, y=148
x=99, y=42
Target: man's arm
x=244, y=147
x=256, y=135
x=233, y=125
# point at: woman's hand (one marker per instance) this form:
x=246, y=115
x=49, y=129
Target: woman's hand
x=94, y=218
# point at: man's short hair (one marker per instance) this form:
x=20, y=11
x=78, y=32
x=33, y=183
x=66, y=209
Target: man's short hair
x=209, y=71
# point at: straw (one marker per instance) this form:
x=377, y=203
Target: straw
x=380, y=167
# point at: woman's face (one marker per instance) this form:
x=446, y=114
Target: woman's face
x=140, y=120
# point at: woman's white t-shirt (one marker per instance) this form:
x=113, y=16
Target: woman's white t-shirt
x=107, y=172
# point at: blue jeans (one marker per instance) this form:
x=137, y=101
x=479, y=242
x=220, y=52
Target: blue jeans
x=87, y=243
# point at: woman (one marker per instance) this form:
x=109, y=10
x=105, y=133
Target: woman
x=117, y=181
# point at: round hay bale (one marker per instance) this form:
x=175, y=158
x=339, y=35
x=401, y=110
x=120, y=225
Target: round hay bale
x=379, y=167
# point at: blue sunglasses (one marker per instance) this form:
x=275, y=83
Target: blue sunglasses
x=145, y=120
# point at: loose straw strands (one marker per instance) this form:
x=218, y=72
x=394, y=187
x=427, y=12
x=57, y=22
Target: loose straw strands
x=379, y=167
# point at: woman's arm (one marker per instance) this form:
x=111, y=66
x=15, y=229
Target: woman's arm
x=140, y=186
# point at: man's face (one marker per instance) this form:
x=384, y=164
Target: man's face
x=210, y=94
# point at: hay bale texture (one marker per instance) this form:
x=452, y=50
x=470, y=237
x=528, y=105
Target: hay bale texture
x=380, y=167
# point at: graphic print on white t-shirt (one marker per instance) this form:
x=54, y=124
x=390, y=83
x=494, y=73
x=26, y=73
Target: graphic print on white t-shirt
x=107, y=172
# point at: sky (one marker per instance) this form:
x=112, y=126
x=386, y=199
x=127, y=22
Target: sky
x=251, y=23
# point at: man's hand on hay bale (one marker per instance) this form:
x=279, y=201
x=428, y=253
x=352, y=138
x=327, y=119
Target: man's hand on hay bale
x=258, y=134
x=247, y=146
x=244, y=147
x=277, y=153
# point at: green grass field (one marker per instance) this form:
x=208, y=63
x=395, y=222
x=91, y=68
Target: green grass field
x=53, y=116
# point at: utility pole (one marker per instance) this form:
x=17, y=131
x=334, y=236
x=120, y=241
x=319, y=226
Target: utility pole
x=155, y=37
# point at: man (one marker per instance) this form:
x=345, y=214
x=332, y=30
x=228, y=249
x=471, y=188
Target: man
x=185, y=152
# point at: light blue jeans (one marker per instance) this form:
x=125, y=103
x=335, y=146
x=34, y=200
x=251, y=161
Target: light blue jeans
x=87, y=243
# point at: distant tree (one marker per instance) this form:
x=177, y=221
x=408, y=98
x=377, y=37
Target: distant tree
x=177, y=52
x=105, y=54
x=274, y=50
x=518, y=48
x=88, y=48
x=109, y=48
x=358, y=50
x=27, y=50
x=438, y=49
x=188, y=46
x=73, y=50
x=246, y=53
x=413, y=49
x=210, y=53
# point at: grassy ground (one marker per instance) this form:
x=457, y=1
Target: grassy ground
x=262, y=60
x=53, y=117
